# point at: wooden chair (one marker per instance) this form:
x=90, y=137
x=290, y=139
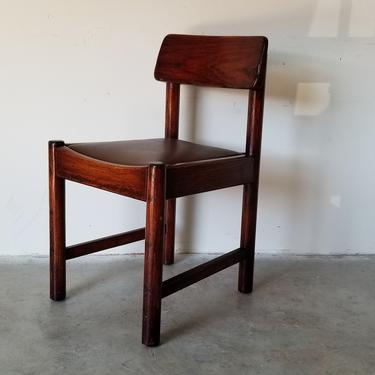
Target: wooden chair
x=158, y=171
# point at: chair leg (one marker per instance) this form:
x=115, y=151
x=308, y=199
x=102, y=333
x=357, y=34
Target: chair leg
x=57, y=228
x=248, y=229
x=153, y=266
x=170, y=217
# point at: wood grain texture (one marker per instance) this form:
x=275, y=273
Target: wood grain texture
x=170, y=228
x=250, y=192
x=104, y=243
x=193, y=178
x=57, y=226
x=230, y=61
x=153, y=266
x=160, y=170
x=172, y=112
x=125, y=180
x=202, y=271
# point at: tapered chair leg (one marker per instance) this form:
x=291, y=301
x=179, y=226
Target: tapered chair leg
x=170, y=217
x=248, y=230
x=153, y=266
x=57, y=227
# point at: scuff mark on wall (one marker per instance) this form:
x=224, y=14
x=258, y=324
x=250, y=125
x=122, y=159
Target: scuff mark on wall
x=335, y=200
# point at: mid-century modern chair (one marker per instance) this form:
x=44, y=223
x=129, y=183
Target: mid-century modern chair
x=158, y=171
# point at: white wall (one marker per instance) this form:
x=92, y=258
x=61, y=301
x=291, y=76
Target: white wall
x=83, y=71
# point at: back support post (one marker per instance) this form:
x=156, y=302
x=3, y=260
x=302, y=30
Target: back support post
x=171, y=131
x=250, y=191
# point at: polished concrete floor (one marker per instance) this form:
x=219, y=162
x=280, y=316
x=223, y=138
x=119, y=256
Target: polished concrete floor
x=307, y=315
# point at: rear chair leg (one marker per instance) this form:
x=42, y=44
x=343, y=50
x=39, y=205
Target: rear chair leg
x=170, y=217
x=248, y=229
x=57, y=227
x=153, y=266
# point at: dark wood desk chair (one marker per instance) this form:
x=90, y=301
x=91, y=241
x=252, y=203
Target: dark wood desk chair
x=158, y=171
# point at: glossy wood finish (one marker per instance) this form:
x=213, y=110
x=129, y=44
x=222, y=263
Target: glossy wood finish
x=160, y=170
x=202, y=271
x=125, y=180
x=207, y=175
x=153, y=266
x=231, y=61
x=172, y=112
x=170, y=228
x=250, y=192
x=57, y=226
x=104, y=243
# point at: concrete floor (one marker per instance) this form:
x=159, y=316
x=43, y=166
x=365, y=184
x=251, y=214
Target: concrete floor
x=307, y=315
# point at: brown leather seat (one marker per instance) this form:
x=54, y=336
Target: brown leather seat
x=146, y=151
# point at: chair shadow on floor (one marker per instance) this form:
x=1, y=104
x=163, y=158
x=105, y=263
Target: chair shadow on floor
x=203, y=315
x=79, y=286
x=182, y=324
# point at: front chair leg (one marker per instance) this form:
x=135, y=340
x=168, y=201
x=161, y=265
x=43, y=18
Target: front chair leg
x=57, y=227
x=153, y=266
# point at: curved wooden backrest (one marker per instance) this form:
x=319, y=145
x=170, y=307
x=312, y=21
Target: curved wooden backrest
x=218, y=61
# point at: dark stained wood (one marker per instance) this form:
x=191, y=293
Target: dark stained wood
x=250, y=192
x=172, y=110
x=231, y=61
x=160, y=170
x=246, y=267
x=171, y=131
x=153, y=267
x=254, y=128
x=57, y=226
x=170, y=228
x=198, y=177
x=202, y=271
x=124, y=180
x=104, y=243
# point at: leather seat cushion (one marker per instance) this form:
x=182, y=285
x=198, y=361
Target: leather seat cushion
x=146, y=151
